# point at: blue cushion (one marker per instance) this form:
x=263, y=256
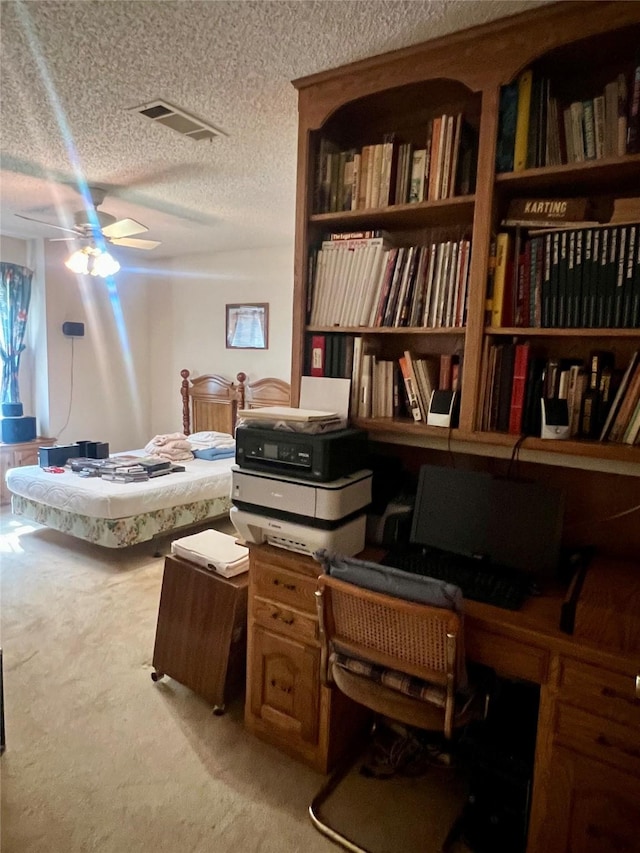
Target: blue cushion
x=392, y=581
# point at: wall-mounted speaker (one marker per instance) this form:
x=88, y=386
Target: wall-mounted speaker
x=73, y=330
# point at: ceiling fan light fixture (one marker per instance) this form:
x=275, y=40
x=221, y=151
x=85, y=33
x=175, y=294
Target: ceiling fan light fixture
x=104, y=265
x=92, y=261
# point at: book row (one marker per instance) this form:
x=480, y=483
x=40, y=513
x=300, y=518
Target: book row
x=398, y=172
x=367, y=283
x=602, y=401
x=571, y=278
x=381, y=387
x=536, y=128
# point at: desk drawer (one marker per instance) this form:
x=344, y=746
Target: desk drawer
x=604, y=692
x=284, y=620
x=613, y=743
x=281, y=585
x=507, y=655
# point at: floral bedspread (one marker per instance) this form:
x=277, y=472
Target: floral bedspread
x=120, y=532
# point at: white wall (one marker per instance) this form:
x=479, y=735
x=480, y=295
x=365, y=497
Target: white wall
x=139, y=334
x=98, y=385
x=187, y=310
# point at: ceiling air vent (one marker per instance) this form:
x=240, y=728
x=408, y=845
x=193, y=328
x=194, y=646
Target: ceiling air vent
x=178, y=120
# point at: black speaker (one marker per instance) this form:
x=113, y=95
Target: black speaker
x=73, y=330
x=57, y=455
x=16, y=430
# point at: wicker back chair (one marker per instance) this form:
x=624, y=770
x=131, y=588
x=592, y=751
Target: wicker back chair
x=412, y=641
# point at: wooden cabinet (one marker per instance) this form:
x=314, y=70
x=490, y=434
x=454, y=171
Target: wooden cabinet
x=587, y=773
x=286, y=703
x=593, y=808
x=201, y=632
x=398, y=96
x=17, y=456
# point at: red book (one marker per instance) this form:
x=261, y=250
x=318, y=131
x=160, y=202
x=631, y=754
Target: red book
x=518, y=387
x=318, y=355
x=444, y=382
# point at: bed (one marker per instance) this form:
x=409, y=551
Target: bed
x=117, y=515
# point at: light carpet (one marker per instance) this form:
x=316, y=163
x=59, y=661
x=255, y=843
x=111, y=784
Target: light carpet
x=100, y=758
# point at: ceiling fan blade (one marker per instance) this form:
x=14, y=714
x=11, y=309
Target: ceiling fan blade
x=124, y=228
x=134, y=244
x=49, y=224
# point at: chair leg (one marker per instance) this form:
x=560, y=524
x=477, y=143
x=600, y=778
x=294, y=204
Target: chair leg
x=320, y=825
x=324, y=793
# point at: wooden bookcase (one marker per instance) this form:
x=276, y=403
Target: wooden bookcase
x=581, y=44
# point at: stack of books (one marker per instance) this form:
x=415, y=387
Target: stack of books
x=537, y=128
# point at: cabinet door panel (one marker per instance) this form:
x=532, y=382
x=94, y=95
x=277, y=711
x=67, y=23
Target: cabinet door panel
x=27, y=456
x=285, y=683
x=593, y=808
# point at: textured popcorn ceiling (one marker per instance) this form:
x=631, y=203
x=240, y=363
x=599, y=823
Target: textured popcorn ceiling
x=70, y=70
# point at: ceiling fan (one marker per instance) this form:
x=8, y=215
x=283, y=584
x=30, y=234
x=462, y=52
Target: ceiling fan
x=91, y=224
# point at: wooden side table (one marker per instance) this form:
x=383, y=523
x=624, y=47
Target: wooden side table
x=201, y=633
x=17, y=456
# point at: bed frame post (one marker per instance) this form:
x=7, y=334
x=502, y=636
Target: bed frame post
x=242, y=378
x=184, y=393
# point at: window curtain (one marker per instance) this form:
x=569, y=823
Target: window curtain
x=15, y=295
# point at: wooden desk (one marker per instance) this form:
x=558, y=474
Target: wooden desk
x=201, y=630
x=586, y=786
x=586, y=790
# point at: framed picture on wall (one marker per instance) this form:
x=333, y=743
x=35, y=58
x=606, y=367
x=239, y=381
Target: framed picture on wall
x=248, y=326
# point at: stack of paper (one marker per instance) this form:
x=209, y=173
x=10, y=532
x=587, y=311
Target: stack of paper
x=214, y=550
x=286, y=413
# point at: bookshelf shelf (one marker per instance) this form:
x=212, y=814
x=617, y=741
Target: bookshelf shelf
x=592, y=175
x=387, y=330
x=446, y=212
x=600, y=456
x=521, y=331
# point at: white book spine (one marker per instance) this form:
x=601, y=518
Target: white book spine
x=416, y=190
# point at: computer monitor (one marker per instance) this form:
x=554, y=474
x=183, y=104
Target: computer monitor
x=513, y=523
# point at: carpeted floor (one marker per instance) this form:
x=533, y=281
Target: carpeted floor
x=98, y=757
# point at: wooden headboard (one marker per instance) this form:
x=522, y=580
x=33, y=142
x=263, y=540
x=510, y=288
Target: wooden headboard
x=262, y=392
x=211, y=402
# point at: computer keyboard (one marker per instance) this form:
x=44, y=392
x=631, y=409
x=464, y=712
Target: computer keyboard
x=478, y=579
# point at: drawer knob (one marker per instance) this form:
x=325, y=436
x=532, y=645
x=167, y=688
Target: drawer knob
x=602, y=740
x=284, y=687
x=638, y=686
x=286, y=620
x=290, y=587
x=610, y=693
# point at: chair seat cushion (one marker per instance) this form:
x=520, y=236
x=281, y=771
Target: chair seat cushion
x=401, y=682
